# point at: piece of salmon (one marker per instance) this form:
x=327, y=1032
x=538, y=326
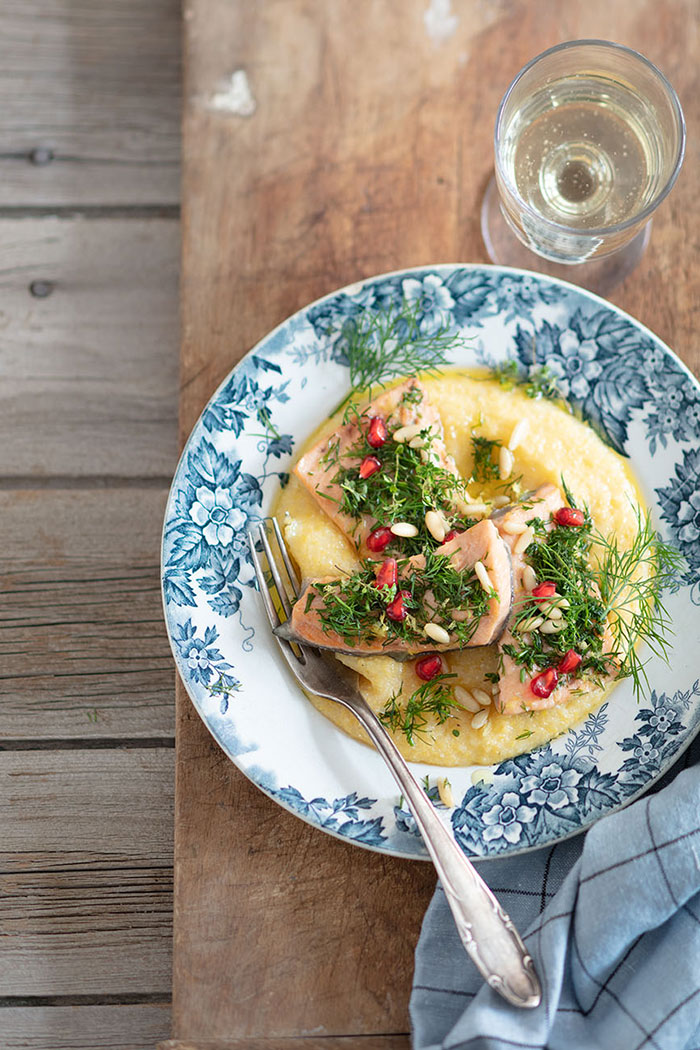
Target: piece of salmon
x=481, y=543
x=404, y=405
x=515, y=696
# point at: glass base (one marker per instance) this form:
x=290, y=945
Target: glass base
x=600, y=275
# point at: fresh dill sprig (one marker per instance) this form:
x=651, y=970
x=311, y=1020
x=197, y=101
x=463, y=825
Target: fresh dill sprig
x=631, y=583
x=614, y=598
x=434, y=700
x=383, y=345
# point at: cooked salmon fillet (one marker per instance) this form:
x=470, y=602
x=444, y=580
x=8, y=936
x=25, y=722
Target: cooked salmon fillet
x=479, y=544
x=404, y=405
x=515, y=695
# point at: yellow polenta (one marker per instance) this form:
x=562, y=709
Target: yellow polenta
x=555, y=445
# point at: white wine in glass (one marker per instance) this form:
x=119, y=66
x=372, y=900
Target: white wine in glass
x=589, y=140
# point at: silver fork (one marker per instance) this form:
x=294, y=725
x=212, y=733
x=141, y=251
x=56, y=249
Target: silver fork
x=487, y=933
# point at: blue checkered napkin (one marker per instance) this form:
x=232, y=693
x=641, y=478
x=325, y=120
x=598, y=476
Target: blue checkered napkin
x=613, y=924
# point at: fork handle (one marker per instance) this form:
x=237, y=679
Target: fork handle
x=486, y=931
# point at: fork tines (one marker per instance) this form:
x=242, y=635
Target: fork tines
x=285, y=579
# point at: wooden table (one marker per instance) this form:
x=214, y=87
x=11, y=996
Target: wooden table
x=365, y=145
x=349, y=182
x=89, y=241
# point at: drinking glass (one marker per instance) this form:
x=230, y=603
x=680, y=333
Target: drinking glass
x=589, y=140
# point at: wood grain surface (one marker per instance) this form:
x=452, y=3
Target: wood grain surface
x=83, y=650
x=85, y=894
x=89, y=239
x=127, y=1026
x=90, y=103
x=369, y=150
x=91, y=387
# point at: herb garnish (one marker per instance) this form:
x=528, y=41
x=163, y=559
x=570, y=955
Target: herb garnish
x=613, y=595
x=407, y=485
x=538, y=382
x=485, y=467
x=433, y=699
x=631, y=584
x=382, y=345
x=355, y=608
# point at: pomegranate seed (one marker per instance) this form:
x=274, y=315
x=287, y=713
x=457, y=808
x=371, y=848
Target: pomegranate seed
x=395, y=610
x=451, y=535
x=369, y=466
x=388, y=574
x=377, y=432
x=429, y=666
x=569, y=662
x=570, y=516
x=379, y=539
x=544, y=683
x=544, y=590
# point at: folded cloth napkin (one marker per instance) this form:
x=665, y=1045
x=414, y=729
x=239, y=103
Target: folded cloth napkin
x=613, y=925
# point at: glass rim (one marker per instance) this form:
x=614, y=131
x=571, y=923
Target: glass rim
x=634, y=220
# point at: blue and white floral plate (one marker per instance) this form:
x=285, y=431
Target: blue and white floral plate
x=623, y=380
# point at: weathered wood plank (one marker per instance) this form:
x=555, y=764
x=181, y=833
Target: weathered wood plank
x=90, y=371
x=83, y=648
x=98, y=86
x=126, y=1027
x=85, y=872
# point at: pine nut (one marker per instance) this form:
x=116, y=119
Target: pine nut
x=445, y=792
x=407, y=432
x=404, y=529
x=562, y=603
x=554, y=613
x=482, y=576
x=417, y=442
x=465, y=699
x=519, y=431
x=533, y=623
x=501, y=501
x=529, y=578
x=514, y=528
x=437, y=633
x=482, y=697
x=549, y=627
x=475, y=509
x=505, y=463
x=524, y=542
x=434, y=525
x=443, y=521
x=480, y=719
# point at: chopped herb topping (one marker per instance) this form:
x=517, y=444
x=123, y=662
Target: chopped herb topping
x=406, y=485
x=355, y=608
x=612, y=599
x=432, y=702
x=485, y=458
x=537, y=382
